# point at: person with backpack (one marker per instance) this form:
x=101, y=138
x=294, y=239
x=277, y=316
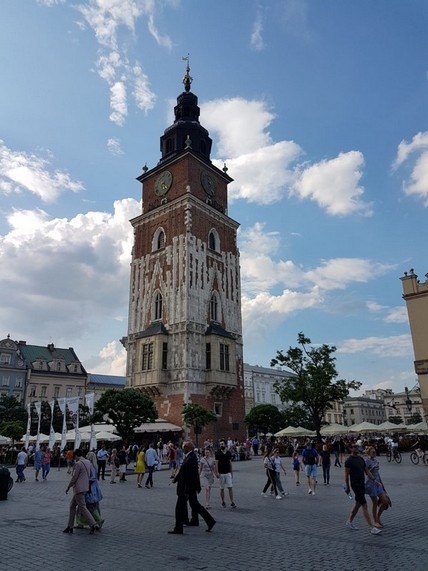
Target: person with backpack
x=310, y=458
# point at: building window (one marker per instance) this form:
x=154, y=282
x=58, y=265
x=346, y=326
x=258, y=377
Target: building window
x=79, y=391
x=208, y=356
x=18, y=383
x=40, y=364
x=56, y=392
x=68, y=392
x=214, y=307
x=224, y=357
x=58, y=366
x=161, y=240
x=158, y=241
x=5, y=381
x=43, y=391
x=211, y=241
x=164, y=355
x=32, y=390
x=157, y=313
x=147, y=362
x=5, y=359
x=218, y=408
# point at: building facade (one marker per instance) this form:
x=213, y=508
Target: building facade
x=259, y=386
x=415, y=295
x=12, y=370
x=363, y=409
x=51, y=373
x=99, y=384
x=184, y=342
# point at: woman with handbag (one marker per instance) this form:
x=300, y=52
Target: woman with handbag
x=375, y=488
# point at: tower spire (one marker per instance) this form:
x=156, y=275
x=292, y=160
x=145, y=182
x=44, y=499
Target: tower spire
x=187, y=80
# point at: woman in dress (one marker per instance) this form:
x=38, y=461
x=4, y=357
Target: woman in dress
x=296, y=466
x=207, y=472
x=375, y=488
x=140, y=466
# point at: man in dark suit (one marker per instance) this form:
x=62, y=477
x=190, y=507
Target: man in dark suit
x=188, y=487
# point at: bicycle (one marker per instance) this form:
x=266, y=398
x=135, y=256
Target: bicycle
x=393, y=454
x=417, y=455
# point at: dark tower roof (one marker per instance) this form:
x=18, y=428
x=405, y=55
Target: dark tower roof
x=186, y=132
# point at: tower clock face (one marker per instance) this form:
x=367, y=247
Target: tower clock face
x=208, y=183
x=163, y=183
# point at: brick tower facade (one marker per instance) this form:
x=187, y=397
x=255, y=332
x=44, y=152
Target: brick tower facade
x=184, y=342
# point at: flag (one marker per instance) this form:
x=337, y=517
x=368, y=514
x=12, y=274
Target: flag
x=90, y=401
x=61, y=404
x=27, y=433
x=52, y=431
x=38, y=407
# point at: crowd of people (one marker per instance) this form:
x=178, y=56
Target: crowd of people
x=195, y=470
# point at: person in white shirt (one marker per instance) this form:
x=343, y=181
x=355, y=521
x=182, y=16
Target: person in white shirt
x=152, y=460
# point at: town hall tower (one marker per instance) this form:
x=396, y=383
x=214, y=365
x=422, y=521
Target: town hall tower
x=184, y=342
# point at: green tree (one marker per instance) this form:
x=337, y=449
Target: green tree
x=315, y=386
x=11, y=409
x=264, y=418
x=297, y=415
x=12, y=429
x=126, y=409
x=395, y=419
x=415, y=418
x=197, y=416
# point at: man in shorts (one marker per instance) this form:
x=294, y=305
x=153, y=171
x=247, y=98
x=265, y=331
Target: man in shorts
x=310, y=458
x=224, y=468
x=355, y=472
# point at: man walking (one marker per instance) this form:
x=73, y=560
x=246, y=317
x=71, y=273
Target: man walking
x=355, y=472
x=188, y=488
x=225, y=471
x=310, y=460
x=102, y=457
x=152, y=460
x=80, y=484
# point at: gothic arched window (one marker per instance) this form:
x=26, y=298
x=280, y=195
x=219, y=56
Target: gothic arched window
x=214, y=240
x=214, y=307
x=158, y=240
x=157, y=309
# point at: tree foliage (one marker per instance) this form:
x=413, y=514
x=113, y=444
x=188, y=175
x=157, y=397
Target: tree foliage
x=315, y=386
x=397, y=419
x=264, y=418
x=197, y=416
x=297, y=415
x=415, y=418
x=13, y=429
x=126, y=409
x=11, y=409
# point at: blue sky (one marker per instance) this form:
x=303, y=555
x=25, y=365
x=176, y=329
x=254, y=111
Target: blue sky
x=319, y=110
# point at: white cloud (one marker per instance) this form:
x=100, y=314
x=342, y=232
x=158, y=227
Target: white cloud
x=337, y=273
x=106, y=18
x=113, y=145
x=119, y=109
x=397, y=315
x=76, y=269
x=418, y=183
x=334, y=184
x=394, y=346
x=20, y=171
x=256, y=40
x=375, y=307
x=111, y=360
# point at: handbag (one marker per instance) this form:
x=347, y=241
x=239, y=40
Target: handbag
x=388, y=501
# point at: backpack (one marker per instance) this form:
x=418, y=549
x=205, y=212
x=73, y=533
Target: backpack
x=309, y=457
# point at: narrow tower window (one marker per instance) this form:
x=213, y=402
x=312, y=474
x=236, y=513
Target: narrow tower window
x=157, y=314
x=214, y=307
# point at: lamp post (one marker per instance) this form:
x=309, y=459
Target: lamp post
x=408, y=400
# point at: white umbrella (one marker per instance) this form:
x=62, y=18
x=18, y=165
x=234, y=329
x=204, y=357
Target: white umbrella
x=104, y=435
x=294, y=431
x=419, y=428
x=332, y=429
x=98, y=428
x=388, y=426
x=364, y=427
x=5, y=440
